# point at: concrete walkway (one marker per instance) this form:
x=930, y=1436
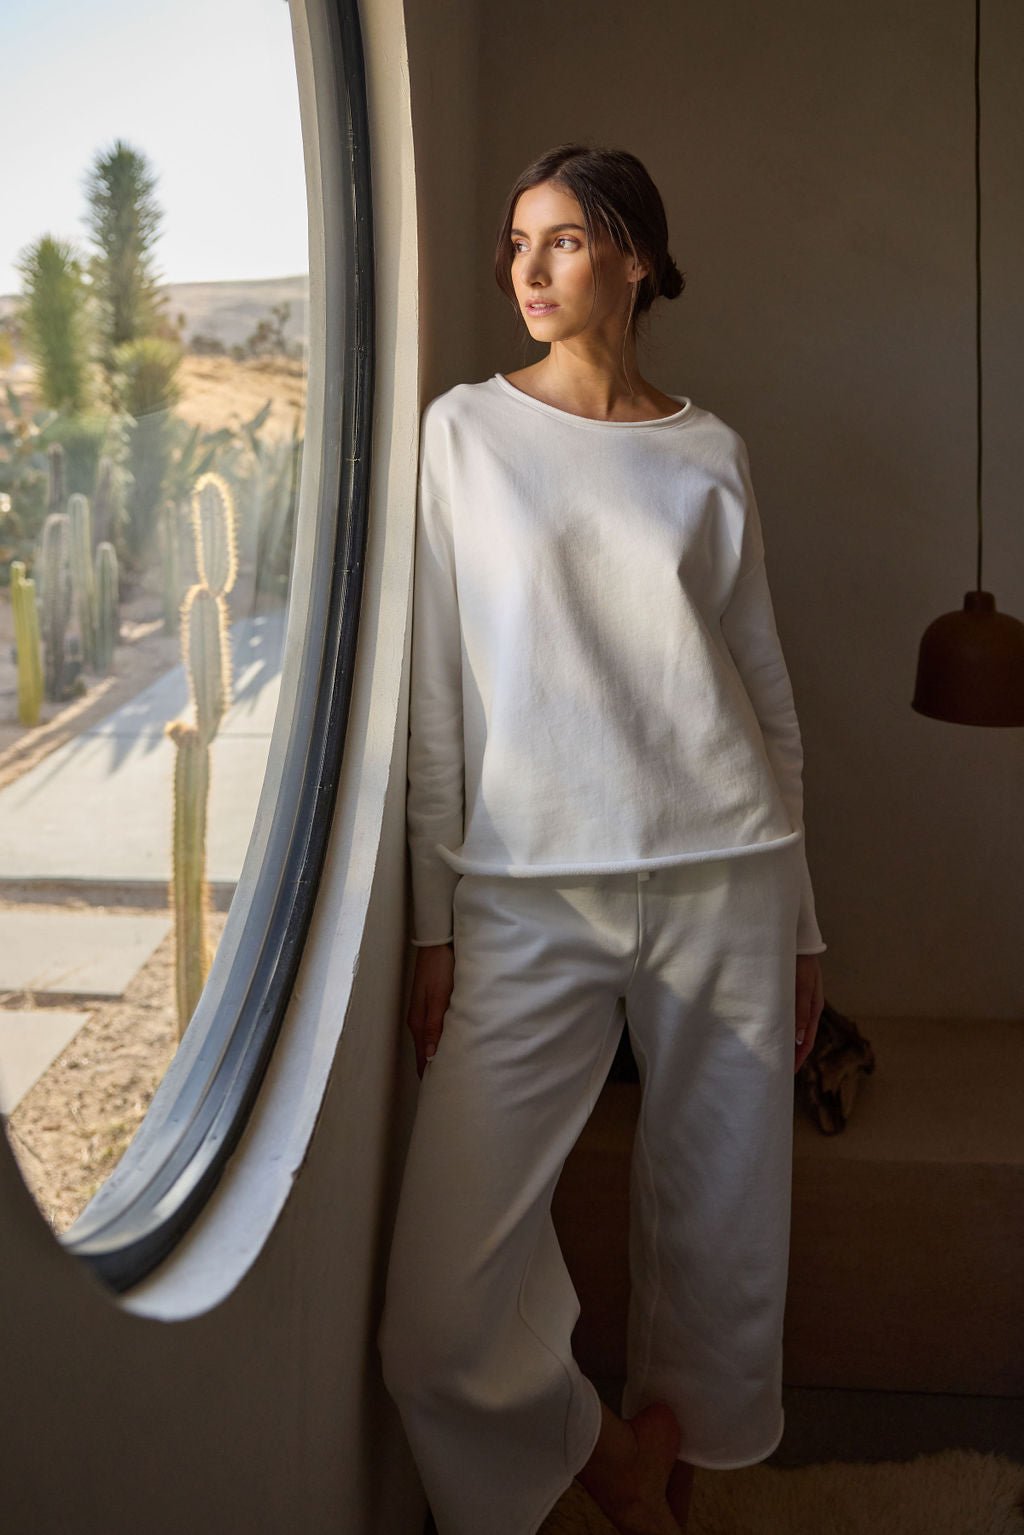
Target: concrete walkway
x=29, y=1043
x=99, y=809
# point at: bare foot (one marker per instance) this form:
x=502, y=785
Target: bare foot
x=628, y=1472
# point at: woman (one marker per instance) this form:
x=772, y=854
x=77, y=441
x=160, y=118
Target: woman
x=605, y=825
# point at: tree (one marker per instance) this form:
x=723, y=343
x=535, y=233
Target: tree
x=124, y=221
x=269, y=339
x=52, y=314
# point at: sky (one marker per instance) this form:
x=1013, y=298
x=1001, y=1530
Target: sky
x=204, y=89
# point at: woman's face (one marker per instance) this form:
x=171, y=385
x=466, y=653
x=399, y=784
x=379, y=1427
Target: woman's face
x=551, y=271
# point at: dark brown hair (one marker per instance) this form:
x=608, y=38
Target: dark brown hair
x=616, y=194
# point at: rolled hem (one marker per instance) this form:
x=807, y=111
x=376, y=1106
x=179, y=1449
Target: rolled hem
x=550, y=1502
x=735, y=1465
x=574, y=869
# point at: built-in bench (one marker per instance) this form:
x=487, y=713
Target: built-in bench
x=907, y=1241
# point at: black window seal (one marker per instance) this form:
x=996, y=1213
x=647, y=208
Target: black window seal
x=137, y=1218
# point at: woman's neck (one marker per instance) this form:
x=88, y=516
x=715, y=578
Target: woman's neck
x=594, y=386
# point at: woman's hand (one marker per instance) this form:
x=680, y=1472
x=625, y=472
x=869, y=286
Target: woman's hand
x=810, y=999
x=431, y=991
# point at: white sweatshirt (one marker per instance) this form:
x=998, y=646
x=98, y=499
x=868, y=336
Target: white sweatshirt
x=597, y=679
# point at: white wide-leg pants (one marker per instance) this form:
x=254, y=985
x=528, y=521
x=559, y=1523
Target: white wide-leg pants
x=699, y=959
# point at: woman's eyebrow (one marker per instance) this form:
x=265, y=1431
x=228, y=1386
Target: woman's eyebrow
x=552, y=229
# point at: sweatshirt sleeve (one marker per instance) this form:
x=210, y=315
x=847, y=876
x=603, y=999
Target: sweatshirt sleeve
x=436, y=755
x=748, y=624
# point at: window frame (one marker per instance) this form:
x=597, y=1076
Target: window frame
x=202, y=1106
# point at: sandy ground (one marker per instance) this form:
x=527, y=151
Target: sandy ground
x=72, y=1128
x=218, y=392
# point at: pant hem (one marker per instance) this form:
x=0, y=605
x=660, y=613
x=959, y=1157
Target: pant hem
x=550, y=1501
x=704, y=1464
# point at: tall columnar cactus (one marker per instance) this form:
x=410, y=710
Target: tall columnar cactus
x=55, y=465
x=107, y=598
x=103, y=502
x=83, y=584
x=26, y=638
x=206, y=647
x=207, y=655
x=190, y=893
x=54, y=565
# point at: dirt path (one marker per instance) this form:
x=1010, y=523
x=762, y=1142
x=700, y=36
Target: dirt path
x=71, y=1129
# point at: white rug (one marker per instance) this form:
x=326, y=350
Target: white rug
x=959, y=1492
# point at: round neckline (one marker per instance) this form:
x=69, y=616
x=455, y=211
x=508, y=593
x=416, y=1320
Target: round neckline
x=567, y=415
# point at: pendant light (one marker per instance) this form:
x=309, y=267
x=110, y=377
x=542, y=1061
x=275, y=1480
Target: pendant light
x=970, y=665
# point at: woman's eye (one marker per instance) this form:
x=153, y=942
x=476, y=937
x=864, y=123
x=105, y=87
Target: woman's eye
x=564, y=240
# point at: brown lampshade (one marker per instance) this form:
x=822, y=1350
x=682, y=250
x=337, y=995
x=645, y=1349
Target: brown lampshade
x=970, y=666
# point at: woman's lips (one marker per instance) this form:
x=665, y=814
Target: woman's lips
x=540, y=309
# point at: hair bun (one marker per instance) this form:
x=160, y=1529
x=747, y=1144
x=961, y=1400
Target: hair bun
x=672, y=280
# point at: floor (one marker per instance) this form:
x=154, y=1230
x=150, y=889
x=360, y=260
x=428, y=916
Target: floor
x=884, y=1425
x=823, y=1425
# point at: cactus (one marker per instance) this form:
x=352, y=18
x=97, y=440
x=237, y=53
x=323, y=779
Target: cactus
x=207, y=654
x=107, y=621
x=83, y=585
x=26, y=633
x=213, y=525
x=189, y=889
x=169, y=534
x=55, y=464
x=207, y=651
x=56, y=594
x=103, y=503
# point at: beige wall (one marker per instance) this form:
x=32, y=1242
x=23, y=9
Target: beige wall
x=817, y=166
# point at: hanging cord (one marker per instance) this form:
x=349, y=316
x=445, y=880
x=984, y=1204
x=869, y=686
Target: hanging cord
x=977, y=253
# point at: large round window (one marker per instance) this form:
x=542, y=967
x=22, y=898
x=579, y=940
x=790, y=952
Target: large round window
x=185, y=380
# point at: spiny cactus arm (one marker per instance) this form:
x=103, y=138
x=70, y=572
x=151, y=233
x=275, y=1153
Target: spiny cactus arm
x=189, y=892
x=107, y=605
x=206, y=649
x=82, y=581
x=214, y=526
x=56, y=595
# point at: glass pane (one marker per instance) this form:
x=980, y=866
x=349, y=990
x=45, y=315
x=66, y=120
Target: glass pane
x=153, y=364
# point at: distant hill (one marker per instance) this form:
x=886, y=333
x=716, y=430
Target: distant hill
x=231, y=310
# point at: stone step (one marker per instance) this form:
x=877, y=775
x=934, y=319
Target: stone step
x=907, y=1242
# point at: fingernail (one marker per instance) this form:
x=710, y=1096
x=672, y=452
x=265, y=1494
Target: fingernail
x=431, y=1052
x=800, y=1037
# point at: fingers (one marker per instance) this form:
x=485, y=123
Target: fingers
x=809, y=1002
x=430, y=1035
x=425, y=1025
x=425, y=1021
